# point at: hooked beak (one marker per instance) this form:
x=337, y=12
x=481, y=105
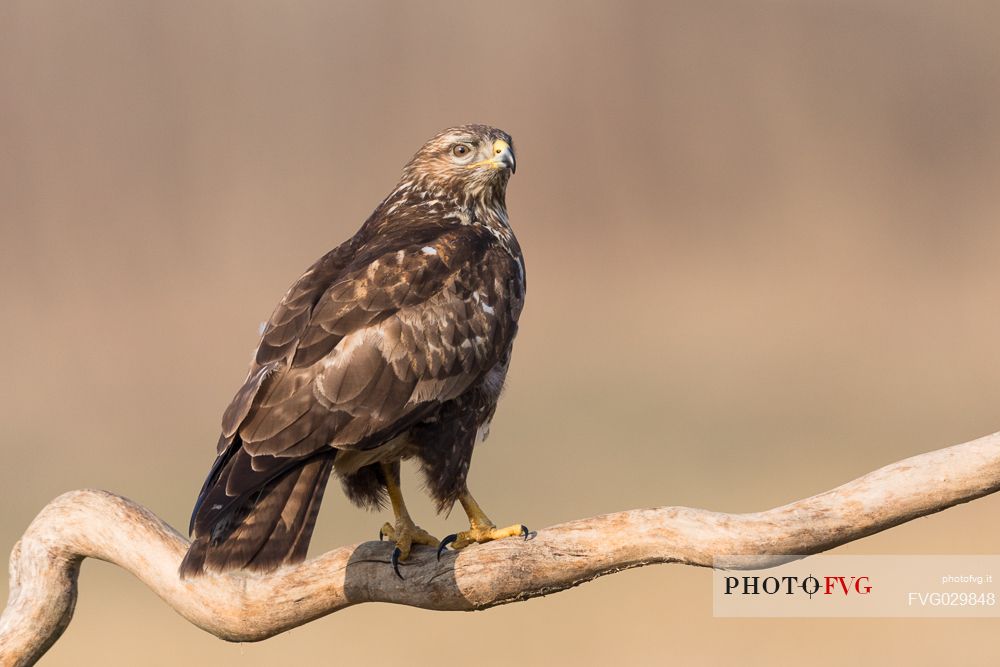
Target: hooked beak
x=503, y=156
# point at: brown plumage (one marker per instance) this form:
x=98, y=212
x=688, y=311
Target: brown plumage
x=393, y=345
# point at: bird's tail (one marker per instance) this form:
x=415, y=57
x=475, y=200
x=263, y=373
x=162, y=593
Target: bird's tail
x=268, y=529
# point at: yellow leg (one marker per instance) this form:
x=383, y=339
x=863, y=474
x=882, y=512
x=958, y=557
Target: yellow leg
x=481, y=529
x=404, y=533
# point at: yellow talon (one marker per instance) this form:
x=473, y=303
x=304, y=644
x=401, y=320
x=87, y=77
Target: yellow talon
x=405, y=534
x=480, y=534
x=481, y=529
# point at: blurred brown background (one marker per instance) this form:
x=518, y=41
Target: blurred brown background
x=762, y=250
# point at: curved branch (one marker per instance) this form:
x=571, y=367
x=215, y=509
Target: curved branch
x=45, y=563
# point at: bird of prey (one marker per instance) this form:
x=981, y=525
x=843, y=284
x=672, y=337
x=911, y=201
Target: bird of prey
x=394, y=345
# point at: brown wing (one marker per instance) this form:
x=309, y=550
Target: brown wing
x=282, y=333
x=385, y=342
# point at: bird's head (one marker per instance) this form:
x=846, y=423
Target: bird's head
x=475, y=160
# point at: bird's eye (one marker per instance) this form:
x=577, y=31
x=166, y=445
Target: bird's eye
x=461, y=150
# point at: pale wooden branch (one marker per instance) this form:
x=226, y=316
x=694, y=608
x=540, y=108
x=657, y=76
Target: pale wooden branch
x=45, y=563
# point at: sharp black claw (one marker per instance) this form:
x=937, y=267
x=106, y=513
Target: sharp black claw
x=524, y=531
x=445, y=542
x=395, y=561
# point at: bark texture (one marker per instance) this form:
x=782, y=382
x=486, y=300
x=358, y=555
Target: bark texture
x=45, y=563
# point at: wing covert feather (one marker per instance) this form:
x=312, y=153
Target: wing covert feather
x=383, y=340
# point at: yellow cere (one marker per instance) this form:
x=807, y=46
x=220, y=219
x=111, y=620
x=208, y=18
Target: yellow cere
x=499, y=146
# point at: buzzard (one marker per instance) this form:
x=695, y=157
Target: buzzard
x=394, y=345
